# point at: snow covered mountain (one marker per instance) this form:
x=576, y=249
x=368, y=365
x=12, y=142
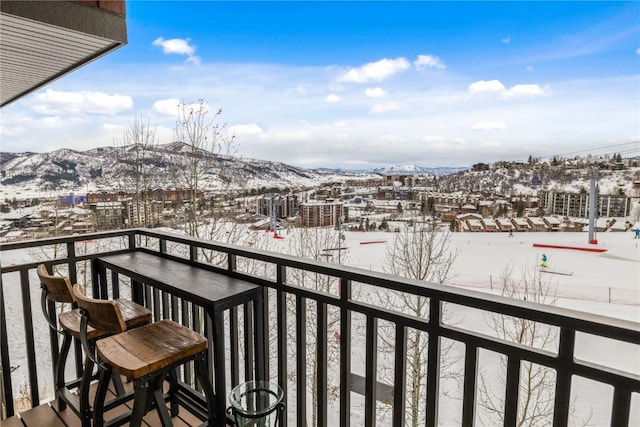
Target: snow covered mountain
x=418, y=170
x=166, y=166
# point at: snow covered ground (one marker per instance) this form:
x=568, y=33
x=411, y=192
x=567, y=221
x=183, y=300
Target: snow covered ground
x=589, y=277
x=606, y=283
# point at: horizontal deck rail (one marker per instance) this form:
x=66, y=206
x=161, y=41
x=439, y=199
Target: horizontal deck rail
x=295, y=309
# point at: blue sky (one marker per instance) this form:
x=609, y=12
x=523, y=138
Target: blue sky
x=359, y=84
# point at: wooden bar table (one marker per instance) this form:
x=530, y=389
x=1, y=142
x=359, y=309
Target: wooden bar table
x=200, y=284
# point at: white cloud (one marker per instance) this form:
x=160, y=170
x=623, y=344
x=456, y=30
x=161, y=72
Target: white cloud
x=375, y=92
x=383, y=108
x=517, y=91
x=506, y=40
x=434, y=138
x=486, y=125
x=489, y=144
x=246, y=129
x=166, y=107
x=428, y=61
x=638, y=51
x=392, y=139
x=529, y=90
x=291, y=136
x=333, y=98
x=11, y=131
x=113, y=128
x=529, y=68
x=53, y=102
x=179, y=47
x=374, y=71
x=486, y=86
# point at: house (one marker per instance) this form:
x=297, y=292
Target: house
x=520, y=224
x=553, y=223
x=468, y=208
x=504, y=224
x=490, y=225
x=577, y=224
x=474, y=225
x=462, y=222
x=536, y=224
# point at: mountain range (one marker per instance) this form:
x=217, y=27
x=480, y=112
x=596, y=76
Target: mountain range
x=166, y=166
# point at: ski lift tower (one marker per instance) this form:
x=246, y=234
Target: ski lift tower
x=272, y=214
x=340, y=236
x=593, y=198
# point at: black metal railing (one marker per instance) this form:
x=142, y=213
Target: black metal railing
x=297, y=321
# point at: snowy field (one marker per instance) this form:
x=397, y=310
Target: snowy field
x=606, y=283
x=588, y=277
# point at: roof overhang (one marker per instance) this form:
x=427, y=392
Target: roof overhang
x=41, y=41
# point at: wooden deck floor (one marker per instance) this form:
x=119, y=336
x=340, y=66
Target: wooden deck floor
x=47, y=415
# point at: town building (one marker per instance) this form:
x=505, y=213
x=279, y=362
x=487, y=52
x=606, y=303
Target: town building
x=281, y=206
x=577, y=204
x=109, y=215
x=326, y=214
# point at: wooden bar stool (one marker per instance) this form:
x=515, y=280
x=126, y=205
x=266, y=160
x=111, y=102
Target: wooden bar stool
x=146, y=355
x=60, y=290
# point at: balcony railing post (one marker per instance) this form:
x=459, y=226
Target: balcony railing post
x=321, y=349
x=345, y=353
x=248, y=343
x=29, y=340
x=6, y=390
x=433, y=361
x=232, y=264
x=400, y=375
x=512, y=391
x=621, y=406
x=469, y=389
x=234, y=346
x=132, y=241
x=71, y=261
x=282, y=333
x=301, y=360
x=562, y=397
x=371, y=364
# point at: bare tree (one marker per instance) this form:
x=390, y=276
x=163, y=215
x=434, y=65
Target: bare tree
x=537, y=382
x=206, y=139
x=138, y=139
x=419, y=252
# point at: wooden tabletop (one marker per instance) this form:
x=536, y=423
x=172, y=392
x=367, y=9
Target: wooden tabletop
x=193, y=282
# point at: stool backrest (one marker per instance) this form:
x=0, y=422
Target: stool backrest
x=104, y=315
x=59, y=289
